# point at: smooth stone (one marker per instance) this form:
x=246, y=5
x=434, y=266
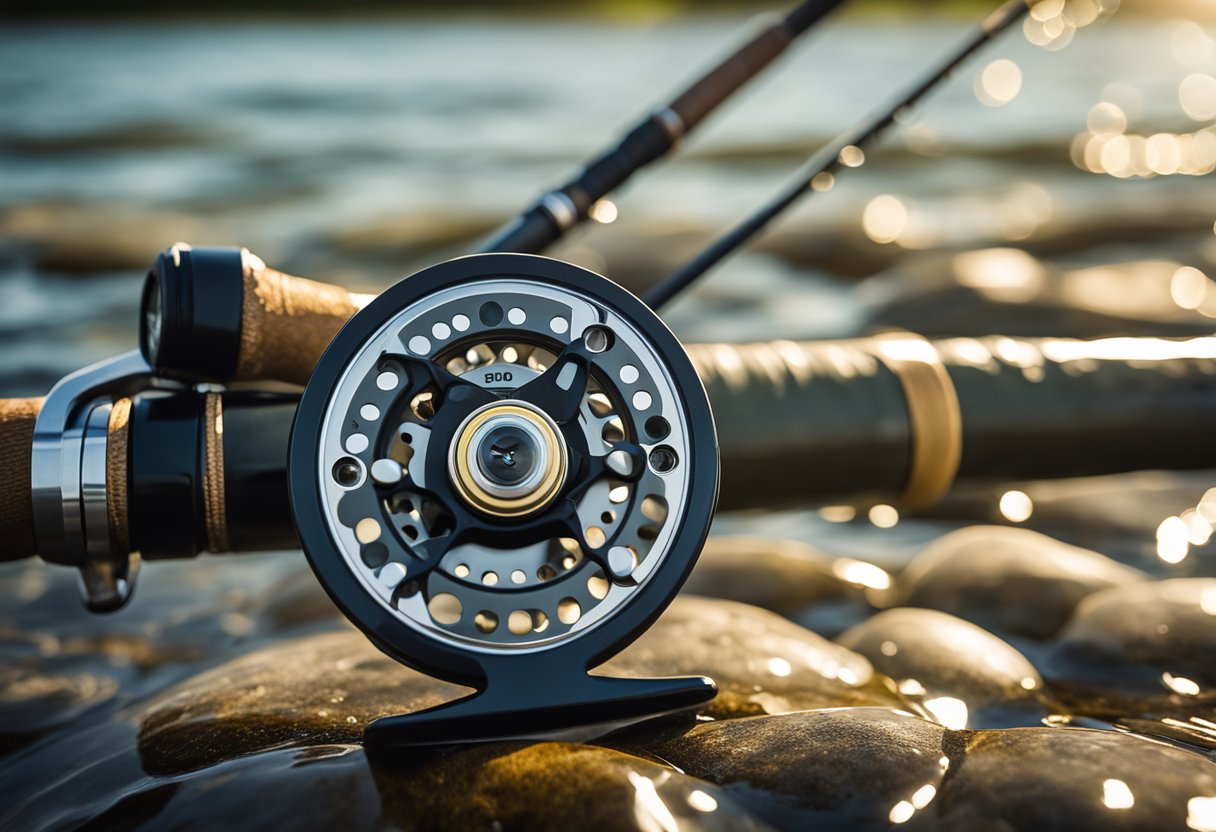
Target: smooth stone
x=1007, y=580
x=1145, y=647
x=296, y=600
x=88, y=237
x=831, y=769
x=763, y=664
x=1038, y=779
x=500, y=786
x=317, y=689
x=36, y=700
x=325, y=688
x=779, y=575
x=962, y=675
x=555, y=786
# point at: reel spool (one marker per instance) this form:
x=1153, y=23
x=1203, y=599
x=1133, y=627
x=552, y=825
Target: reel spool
x=502, y=471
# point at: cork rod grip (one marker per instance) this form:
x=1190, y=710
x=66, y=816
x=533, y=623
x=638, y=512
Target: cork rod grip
x=17, y=418
x=287, y=322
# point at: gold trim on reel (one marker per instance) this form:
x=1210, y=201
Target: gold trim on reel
x=476, y=491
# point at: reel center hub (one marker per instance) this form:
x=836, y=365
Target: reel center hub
x=508, y=459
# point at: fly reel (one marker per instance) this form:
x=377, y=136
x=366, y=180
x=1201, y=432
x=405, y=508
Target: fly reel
x=502, y=470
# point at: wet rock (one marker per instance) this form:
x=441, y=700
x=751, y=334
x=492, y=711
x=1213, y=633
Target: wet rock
x=296, y=600
x=779, y=575
x=85, y=237
x=325, y=688
x=1007, y=580
x=318, y=689
x=961, y=674
x=34, y=701
x=542, y=786
x=834, y=769
x=763, y=664
x=554, y=786
x=1068, y=778
x=1140, y=648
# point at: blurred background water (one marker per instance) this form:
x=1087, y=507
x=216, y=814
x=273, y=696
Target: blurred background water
x=1060, y=185
x=358, y=150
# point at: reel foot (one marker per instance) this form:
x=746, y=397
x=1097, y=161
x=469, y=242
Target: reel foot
x=573, y=708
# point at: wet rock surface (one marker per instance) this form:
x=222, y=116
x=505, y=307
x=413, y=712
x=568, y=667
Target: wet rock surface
x=870, y=768
x=761, y=662
x=962, y=675
x=831, y=769
x=1147, y=647
x=322, y=688
x=779, y=575
x=1043, y=778
x=1007, y=580
x=501, y=786
x=248, y=702
x=325, y=688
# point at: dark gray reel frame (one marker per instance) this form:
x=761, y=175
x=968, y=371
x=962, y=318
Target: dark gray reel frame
x=523, y=689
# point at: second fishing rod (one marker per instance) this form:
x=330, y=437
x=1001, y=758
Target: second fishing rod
x=231, y=319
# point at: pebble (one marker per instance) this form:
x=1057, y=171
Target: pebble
x=830, y=769
x=1007, y=580
x=783, y=576
x=1141, y=648
x=960, y=674
x=315, y=689
x=1038, y=779
x=763, y=664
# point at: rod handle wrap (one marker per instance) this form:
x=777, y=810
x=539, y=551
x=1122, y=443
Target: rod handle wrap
x=17, y=417
x=220, y=314
x=287, y=322
x=17, y=421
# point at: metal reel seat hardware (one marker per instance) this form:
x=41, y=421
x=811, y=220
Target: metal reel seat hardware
x=502, y=471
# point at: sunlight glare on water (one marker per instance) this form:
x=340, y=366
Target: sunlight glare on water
x=998, y=83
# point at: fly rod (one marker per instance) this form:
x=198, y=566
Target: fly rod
x=562, y=208
x=846, y=151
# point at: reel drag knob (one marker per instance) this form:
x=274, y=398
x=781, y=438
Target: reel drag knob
x=502, y=470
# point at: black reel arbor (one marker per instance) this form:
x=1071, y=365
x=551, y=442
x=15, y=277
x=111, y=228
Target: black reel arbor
x=495, y=520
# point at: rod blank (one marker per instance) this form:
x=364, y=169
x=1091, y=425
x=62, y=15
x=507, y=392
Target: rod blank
x=845, y=151
x=563, y=208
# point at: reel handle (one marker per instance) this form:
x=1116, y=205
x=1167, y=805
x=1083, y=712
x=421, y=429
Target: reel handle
x=17, y=417
x=220, y=314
